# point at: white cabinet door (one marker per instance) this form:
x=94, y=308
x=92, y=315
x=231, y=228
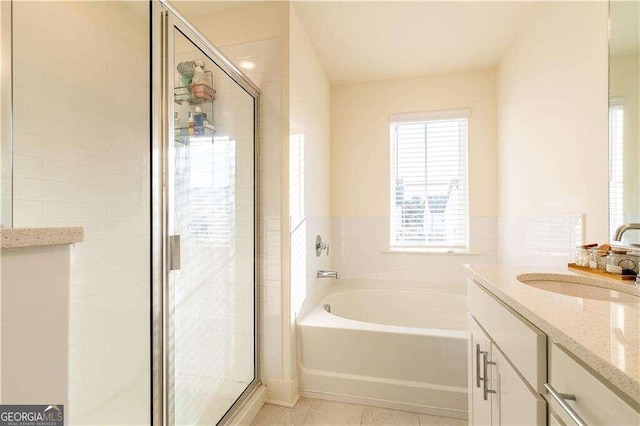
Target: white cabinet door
x=514, y=402
x=555, y=420
x=479, y=345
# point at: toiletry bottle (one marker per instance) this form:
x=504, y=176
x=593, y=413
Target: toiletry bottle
x=199, y=121
x=192, y=124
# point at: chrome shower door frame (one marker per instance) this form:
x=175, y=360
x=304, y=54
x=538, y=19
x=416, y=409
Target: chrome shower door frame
x=164, y=19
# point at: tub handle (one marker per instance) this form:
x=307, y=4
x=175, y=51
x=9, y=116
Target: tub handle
x=485, y=380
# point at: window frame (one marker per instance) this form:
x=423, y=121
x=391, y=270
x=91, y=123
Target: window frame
x=419, y=117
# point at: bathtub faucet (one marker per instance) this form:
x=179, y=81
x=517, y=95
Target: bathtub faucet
x=328, y=274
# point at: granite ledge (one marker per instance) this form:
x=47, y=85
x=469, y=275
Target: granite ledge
x=34, y=237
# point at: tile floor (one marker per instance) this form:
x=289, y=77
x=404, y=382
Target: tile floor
x=329, y=413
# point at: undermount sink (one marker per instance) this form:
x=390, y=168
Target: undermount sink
x=578, y=286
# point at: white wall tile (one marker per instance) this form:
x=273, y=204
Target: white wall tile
x=39, y=189
x=70, y=172
x=28, y=121
x=360, y=251
x=62, y=139
x=37, y=146
x=29, y=167
x=28, y=211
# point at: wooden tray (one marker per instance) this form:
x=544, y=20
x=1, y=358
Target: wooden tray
x=601, y=273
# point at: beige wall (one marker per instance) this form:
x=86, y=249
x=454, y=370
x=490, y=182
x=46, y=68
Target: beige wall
x=309, y=107
x=310, y=94
x=251, y=21
x=360, y=137
x=552, y=118
x=360, y=175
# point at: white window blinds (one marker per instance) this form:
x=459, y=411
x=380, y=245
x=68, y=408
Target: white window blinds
x=616, y=164
x=209, y=190
x=429, y=183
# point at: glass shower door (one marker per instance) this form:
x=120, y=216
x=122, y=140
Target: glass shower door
x=210, y=222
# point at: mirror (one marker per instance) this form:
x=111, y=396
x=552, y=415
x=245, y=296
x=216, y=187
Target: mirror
x=624, y=118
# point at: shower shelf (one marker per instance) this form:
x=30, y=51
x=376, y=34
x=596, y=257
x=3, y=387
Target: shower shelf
x=195, y=94
x=184, y=138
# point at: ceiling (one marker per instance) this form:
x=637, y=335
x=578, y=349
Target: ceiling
x=193, y=8
x=369, y=40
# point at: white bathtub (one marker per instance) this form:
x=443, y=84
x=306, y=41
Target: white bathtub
x=394, y=348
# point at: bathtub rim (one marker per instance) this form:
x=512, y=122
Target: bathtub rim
x=318, y=317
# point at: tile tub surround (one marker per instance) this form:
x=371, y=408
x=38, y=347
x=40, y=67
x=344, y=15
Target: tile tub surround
x=604, y=335
x=30, y=237
x=319, y=412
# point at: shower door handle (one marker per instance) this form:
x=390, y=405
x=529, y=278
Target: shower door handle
x=174, y=252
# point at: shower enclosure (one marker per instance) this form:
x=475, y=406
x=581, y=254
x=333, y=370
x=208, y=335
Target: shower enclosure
x=205, y=258
x=122, y=119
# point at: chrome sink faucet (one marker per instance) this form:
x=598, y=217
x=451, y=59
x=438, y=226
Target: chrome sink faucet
x=328, y=274
x=617, y=236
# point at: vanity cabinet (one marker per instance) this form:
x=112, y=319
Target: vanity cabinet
x=514, y=402
x=505, y=370
x=509, y=374
x=479, y=347
x=503, y=398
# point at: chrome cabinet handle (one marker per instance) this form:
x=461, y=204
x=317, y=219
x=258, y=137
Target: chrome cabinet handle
x=561, y=399
x=485, y=381
x=478, y=378
x=479, y=353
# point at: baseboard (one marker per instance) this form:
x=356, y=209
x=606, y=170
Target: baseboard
x=282, y=392
x=417, y=397
x=250, y=408
x=392, y=405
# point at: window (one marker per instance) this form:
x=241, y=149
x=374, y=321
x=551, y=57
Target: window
x=429, y=184
x=210, y=190
x=616, y=164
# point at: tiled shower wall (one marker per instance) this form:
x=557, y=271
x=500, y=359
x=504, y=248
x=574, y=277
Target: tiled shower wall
x=81, y=144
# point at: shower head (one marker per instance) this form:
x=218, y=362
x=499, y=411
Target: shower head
x=186, y=69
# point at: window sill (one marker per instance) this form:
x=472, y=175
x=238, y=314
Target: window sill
x=436, y=251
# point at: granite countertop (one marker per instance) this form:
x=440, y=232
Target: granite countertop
x=605, y=335
x=32, y=237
